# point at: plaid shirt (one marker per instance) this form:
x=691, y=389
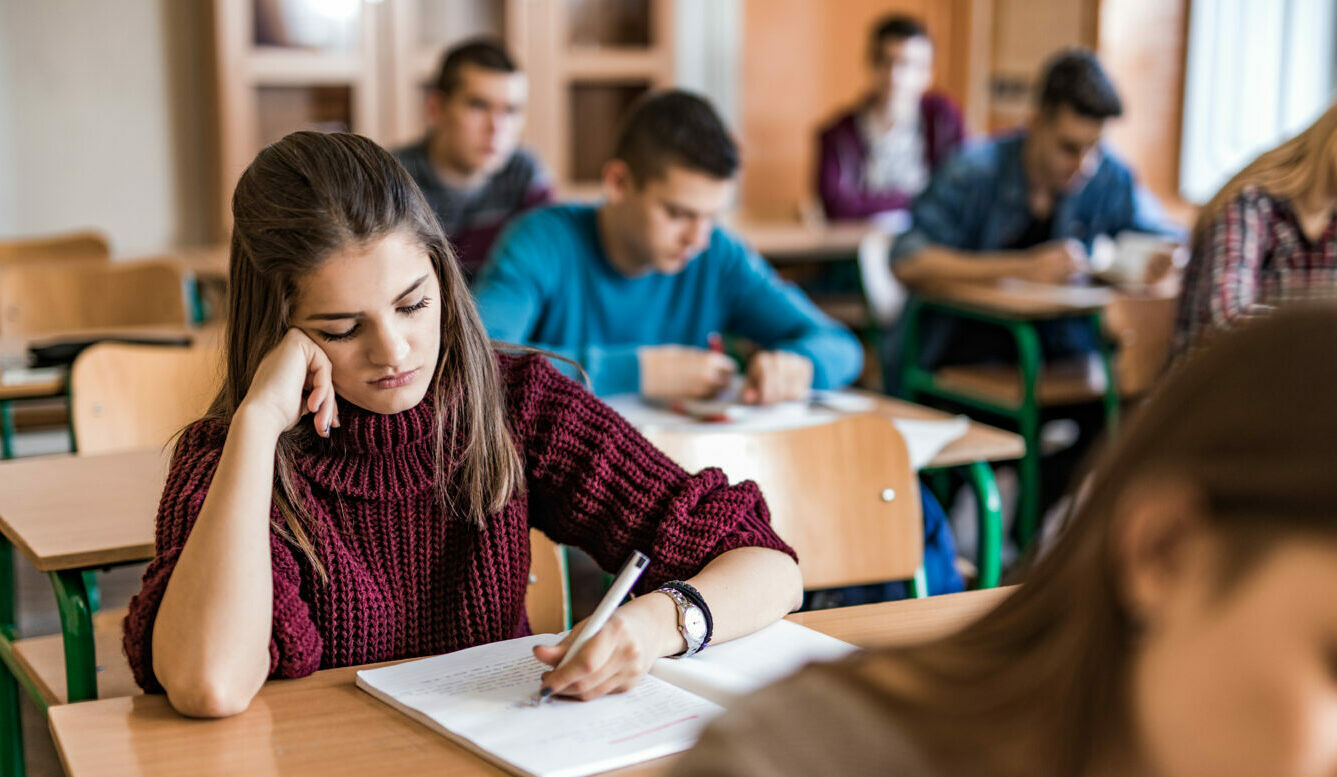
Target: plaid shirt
x=1251, y=258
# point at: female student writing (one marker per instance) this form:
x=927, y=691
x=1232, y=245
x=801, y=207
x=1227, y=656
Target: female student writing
x=363, y=486
x=1269, y=236
x=1182, y=626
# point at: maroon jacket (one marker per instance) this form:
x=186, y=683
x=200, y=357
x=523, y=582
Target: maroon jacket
x=843, y=151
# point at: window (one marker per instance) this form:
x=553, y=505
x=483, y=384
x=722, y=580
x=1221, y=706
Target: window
x=1257, y=74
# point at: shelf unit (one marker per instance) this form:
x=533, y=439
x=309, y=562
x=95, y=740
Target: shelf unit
x=367, y=67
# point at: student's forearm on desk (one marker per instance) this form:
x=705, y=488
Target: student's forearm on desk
x=936, y=263
x=745, y=588
x=211, y=635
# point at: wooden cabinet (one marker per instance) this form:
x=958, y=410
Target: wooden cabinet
x=285, y=65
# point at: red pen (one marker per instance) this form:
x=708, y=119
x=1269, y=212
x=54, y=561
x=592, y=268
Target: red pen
x=715, y=341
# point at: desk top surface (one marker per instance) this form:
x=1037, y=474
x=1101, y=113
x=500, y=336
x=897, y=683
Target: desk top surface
x=323, y=725
x=1012, y=298
x=72, y=512
x=789, y=241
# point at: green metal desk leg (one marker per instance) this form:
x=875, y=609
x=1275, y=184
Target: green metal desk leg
x=76, y=622
x=1028, y=424
x=6, y=429
x=11, y=724
x=989, y=507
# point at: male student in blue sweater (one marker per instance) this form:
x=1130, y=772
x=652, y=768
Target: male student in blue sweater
x=635, y=288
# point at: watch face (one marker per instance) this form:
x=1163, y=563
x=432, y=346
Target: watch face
x=694, y=622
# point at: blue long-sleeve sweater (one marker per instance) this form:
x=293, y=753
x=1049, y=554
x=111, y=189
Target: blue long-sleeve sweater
x=548, y=283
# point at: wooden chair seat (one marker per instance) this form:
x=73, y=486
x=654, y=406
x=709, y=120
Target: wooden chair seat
x=1061, y=383
x=43, y=659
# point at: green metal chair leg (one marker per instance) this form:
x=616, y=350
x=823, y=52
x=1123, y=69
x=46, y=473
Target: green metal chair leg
x=989, y=512
x=76, y=621
x=11, y=724
x=1029, y=360
x=6, y=429
x=918, y=584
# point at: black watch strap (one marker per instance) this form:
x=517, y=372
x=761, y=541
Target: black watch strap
x=694, y=596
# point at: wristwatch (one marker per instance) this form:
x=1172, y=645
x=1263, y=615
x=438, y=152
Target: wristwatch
x=691, y=621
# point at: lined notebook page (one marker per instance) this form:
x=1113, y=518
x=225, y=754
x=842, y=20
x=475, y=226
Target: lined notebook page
x=480, y=697
x=728, y=670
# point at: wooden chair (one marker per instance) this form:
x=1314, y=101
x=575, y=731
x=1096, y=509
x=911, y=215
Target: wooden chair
x=126, y=396
x=84, y=245
x=842, y=494
x=548, y=600
x=1144, y=328
x=65, y=296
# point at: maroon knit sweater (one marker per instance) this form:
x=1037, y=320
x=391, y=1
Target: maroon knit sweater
x=407, y=581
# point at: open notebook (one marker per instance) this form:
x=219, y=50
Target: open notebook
x=480, y=698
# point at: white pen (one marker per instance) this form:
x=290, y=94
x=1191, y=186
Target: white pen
x=631, y=572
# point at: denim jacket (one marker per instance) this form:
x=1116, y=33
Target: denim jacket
x=978, y=202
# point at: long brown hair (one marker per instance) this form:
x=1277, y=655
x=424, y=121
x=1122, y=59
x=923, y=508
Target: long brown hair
x=304, y=198
x=1294, y=170
x=1040, y=685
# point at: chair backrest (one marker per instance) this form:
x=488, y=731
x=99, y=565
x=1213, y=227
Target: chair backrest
x=83, y=245
x=842, y=494
x=126, y=396
x=1144, y=328
x=548, y=599
x=63, y=296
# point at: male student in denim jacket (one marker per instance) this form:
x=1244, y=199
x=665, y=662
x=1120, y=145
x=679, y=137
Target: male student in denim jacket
x=1027, y=205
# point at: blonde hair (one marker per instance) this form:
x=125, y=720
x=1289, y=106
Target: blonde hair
x=1292, y=170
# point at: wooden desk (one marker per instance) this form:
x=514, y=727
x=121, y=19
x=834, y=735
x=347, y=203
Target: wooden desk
x=1022, y=299
x=70, y=515
x=789, y=242
x=323, y=725
x=980, y=443
x=74, y=512
x=206, y=262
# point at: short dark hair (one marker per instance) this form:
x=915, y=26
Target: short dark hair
x=896, y=27
x=675, y=127
x=1075, y=78
x=487, y=53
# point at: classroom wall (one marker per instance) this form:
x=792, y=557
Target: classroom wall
x=7, y=120
x=93, y=136
x=802, y=64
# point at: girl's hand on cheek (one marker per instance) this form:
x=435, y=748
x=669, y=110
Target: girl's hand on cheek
x=293, y=379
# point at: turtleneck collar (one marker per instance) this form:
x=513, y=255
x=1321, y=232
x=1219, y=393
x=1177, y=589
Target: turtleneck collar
x=374, y=455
